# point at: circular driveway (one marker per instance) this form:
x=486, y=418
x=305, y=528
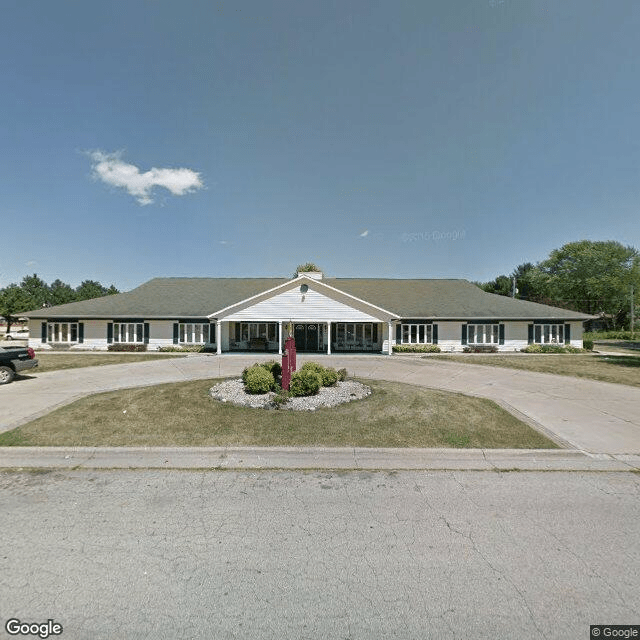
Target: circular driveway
x=595, y=417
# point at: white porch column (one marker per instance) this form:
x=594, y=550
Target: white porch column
x=219, y=337
x=390, y=348
x=279, y=337
x=328, y=338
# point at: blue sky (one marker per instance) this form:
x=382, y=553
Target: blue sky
x=145, y=138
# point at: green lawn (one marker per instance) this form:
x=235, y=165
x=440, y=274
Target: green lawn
x=620, y=369
x=55, y=361
x=183, y=414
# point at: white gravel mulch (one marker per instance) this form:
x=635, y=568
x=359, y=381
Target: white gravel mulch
x=233, y=391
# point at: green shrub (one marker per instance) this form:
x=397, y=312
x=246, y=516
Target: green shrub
x=194, y=348
x=416, y=348
x=259, y=380
x=329, y=377
x=342, y=375
x=588, y=344
x=121, y=346
x=611, y=335
x=480, y=348
x=312, y=366
x=273, y=367
x=305, y=383
x=532, y=348
x=281, y=398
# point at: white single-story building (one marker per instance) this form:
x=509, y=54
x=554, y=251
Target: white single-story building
x=327, y=315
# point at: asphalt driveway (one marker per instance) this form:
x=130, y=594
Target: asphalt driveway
x=595, y=417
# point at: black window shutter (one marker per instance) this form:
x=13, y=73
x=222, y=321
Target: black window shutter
x=464, y=334
x=80, y=331
x=175, y=333
x=212, y=332
x=398, y=333
x=109, y=332
x=237, y=326
x=501, y=334
x=434, y=334
x=43, y=334
x=567, y=333
x=374, y=333
x=530, y=334
x=146, y=333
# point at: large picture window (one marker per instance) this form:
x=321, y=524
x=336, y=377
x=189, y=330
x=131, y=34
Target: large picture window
x=62, y=332
x=247, y=331
x=128, y=332
x=483, y=333
x=193, y=332
x=416, y=334
x=548, y=333
x=354, y=335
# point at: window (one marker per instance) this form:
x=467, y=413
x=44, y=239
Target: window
x=193, y=332
x=128, y=332
x=246, y=331
x=62, y=332
x=483, y=333
x=548, y=333
x=354, y=334
x=417, y=333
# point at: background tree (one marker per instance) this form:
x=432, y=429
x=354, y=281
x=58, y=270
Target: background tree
x=89, y=289
x=13, y=303
x=307, y=266
x=61, y=293
x=593, y=277
x=36, y=291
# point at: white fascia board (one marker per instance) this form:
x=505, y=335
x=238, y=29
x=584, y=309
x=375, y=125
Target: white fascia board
x=287, y=285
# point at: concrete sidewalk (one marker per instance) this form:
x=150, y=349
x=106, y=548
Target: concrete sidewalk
x=311, y=458
x=586, y=415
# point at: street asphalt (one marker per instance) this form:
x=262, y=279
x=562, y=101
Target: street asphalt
x=585, y=415
x=263, y=555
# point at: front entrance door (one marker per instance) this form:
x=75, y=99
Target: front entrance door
x=306, y=336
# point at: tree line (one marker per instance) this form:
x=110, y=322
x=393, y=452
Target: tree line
x=34, y=293
x=595, y=277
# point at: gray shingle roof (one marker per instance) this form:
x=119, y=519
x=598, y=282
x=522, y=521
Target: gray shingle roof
x=200, y=297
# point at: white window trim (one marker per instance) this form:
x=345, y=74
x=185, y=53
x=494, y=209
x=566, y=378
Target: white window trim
x=414, y=329
x=55, y=332
x=193, y=332
x=356, y=337
x=547, y=331
x=491, y=331
x=129, y=334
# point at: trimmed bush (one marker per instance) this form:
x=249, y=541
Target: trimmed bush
x=312, y=366
x=329, y=377
x=273, y=367
x=259, y=380
x=188, y=349
x=342, y=375
x=120, y=346
x=416, y=348
x=588, y=344
x=481, y=348
x=305, y=383
x=550, y=348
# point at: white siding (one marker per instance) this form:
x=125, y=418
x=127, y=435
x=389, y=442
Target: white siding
x=160, y=334
x=311, y=306
x=449, y=334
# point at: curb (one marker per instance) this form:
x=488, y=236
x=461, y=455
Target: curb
x=311, y=458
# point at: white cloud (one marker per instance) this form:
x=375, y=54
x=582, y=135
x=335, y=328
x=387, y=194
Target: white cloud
x=365, y=233
x=112, y=170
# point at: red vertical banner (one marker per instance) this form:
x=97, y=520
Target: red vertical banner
x=286, y=372
x=290, y=344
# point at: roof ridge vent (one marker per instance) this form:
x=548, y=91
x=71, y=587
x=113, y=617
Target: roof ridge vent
x=314, y=275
